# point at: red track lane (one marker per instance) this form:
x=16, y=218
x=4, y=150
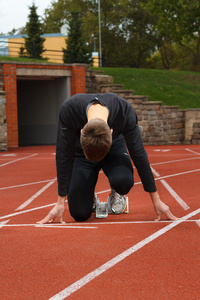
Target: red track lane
x=127, y=256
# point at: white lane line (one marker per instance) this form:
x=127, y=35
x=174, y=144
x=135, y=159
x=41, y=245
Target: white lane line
x=171, y=191
x=13, y=161
x=175, y=195
x=26, y=211
x=111, y=263
x=66, y=226
x=2, y=224
x=192, y=151
x=162, y=150
x=198, y=222
x=71, y=225
x=25, y=184
x=177, y=174
x=27, y=202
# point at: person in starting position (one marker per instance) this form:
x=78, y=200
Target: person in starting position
x=94, y=133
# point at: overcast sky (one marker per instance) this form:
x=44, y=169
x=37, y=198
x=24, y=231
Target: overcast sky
x=14, y=13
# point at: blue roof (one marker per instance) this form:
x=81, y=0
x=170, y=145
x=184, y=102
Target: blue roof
x=19, y=36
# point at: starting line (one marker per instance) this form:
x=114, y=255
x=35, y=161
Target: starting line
x=93, y=225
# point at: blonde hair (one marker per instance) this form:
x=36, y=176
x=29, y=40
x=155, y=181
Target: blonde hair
x=96, y=139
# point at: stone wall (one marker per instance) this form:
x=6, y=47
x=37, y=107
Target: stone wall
x=192, y=122
x=159, y=124
x=3, y=126
x=196, y=134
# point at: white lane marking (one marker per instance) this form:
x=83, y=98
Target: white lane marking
x=192, y=151
x=162, y=150
x=155, y=172
x=171, y=191
x=111, y=263
x=2, y=224
x=177, y=174
x=92, y=225
x=134, y=222
x=175, y=195
x=26, y=211
x=173, y=161
x=24, y=184
x=13, y=161
x=8, y=155
x=27, y=202
x=66, y=226
x=198, y=222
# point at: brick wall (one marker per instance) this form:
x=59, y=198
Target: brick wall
x=10, y=86
x=3, y=125
x=78, y=79
x=9, y=75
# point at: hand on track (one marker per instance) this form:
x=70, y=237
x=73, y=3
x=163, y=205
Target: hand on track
x=56, y=212
x=162, y=208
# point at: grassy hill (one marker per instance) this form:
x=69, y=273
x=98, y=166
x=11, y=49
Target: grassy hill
x=171, y=87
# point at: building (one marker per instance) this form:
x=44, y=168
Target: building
x=54, y=43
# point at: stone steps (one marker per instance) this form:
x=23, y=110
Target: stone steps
x=110, y=88
x=125, y=93
x=1, y=86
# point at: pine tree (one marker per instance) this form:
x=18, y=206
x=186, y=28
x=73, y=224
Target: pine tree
x=77, y=50
x=34, y=41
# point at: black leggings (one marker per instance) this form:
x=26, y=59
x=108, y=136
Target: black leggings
x=116, y=166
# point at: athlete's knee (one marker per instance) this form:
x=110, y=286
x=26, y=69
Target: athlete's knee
x=122, y=185
x=80, y=215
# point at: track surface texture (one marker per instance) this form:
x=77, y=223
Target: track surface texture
x=122, y=257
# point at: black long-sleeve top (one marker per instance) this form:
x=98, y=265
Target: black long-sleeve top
x=122, y=119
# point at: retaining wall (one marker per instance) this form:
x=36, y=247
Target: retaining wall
x=159, y=124
x=3, y=124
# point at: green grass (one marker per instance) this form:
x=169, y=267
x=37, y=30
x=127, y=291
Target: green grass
x=22, y=59
x=171, y=87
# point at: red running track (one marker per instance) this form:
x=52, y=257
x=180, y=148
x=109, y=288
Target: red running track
x=126, y=256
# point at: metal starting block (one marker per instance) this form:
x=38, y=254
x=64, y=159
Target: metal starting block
x=103, y=209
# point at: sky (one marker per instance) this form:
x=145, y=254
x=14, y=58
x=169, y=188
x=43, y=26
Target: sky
x=14, y=13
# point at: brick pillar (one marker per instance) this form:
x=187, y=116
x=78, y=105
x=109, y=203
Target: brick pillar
x=78, y=79
x=10, y=87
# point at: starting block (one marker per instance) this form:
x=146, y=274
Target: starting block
x=103, y=209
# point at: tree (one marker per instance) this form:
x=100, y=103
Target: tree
x=77, y=50
x=179, y=21
x=34, y=41
x=127, y=35
x=140, y=36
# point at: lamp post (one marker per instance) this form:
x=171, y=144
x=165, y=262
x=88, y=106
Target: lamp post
x=99, y=14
